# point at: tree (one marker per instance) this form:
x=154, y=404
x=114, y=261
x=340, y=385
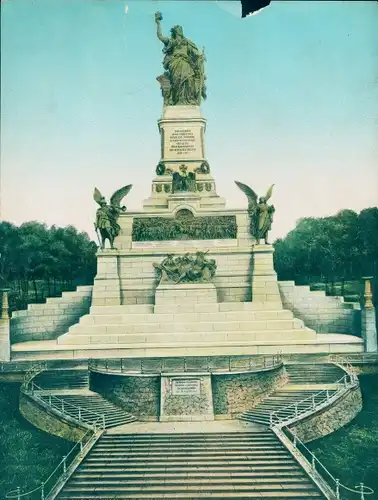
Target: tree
x=49, y=259
x=336, y=248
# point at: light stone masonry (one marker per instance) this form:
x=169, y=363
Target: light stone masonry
x=325, y=314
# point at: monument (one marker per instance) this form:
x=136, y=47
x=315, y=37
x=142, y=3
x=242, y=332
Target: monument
x=186, y=276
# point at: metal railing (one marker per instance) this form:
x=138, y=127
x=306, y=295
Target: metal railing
x=61, y=472
x=96, y=423
x=318, y=469
x=358, y=358
x=312, y=403
x=64, y=407
x=315, y=468
x=224, y=364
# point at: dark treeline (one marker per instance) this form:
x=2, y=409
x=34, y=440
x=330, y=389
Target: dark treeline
x=37, y=262
x=340, y=248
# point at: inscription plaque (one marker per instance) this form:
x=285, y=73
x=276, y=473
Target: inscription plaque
x=182, y=141
x=186, y=387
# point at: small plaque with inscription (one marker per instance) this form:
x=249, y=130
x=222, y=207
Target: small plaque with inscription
x=186, y=387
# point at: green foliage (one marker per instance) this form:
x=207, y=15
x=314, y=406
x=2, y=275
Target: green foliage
x=48, y=260
x=27, y=455
x=197, y=228
x=329, y=249
x=350, y=454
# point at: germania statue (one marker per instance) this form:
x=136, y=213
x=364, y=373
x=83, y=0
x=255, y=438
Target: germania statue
x=260, y=213
x=183, y=81
x=107, y=215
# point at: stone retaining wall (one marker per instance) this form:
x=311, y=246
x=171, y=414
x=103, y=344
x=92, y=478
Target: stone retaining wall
x=135, y=394
x=235, y=393
x=46, y=420
x=331, y=418
x=52, y=319
x=320, y=312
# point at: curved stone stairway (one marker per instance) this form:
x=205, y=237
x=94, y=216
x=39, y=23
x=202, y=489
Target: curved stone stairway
x=300, y=377
x=72, y=388
x=250, y=463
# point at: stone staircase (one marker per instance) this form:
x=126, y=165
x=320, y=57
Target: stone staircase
x=314, y=373
x=92, y=406
x=63, y=379
x=279, y=400
x=243, y=465
x=49, y=320
x=319, y=376
x=69, y=390
x=204, y=324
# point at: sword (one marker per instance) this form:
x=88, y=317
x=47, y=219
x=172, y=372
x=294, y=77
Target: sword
x=98, y=237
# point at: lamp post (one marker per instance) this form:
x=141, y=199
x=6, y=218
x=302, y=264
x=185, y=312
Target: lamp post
x=367, y=297
x=368, y=318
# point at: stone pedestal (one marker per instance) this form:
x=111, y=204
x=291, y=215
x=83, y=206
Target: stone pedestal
x=369, y=329
x=106, y=287
x=264, y=283
x=4, y=340
x=182, y=131
x=186, y=397
x=186, y=293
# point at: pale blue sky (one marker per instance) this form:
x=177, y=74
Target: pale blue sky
x=292, y=99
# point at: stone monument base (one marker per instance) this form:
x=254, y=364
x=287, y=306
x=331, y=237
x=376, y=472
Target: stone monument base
x=185, y=293
x=186, y=398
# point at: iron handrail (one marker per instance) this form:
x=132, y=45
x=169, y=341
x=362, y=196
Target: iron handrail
x=61, y=402
x=298, y=405
x=265, y=362
x=281, y=426
x=314, y=461
x=16, y=493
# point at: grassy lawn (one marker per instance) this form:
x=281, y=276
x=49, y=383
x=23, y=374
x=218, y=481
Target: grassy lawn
x=27, y=455
x=351, y=453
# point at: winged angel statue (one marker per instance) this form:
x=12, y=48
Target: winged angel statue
x=107, y=215
x=260, y=213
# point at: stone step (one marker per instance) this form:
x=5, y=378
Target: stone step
x=158, y=318
x=201, y=482
x=194, y=488
x=189, y=338
x=261, y=459
x=168, y=326
x=218, y=307
x=124, y=309
x=190, y=469
x=52, y=311
x=142, y=474
x=158, y=442
x=62, y=379
x=67, y=299
x=189, y=452
x=288, y=495
x=186, y=308
x=232, y=445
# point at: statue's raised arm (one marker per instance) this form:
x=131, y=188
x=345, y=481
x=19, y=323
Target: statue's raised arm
x=161, y=37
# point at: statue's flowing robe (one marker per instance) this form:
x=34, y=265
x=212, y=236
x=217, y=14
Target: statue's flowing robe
x=182, y=61
x=106, y=220
x=264, y=223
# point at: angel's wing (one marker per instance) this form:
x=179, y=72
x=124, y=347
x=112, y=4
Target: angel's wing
x=97, y=196
x=269, y=192
x=117, y=197
x=249, y=192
